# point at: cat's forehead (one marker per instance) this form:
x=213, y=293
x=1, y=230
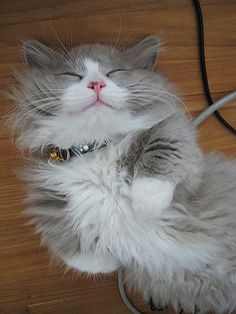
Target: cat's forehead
x=93, y=50
x=91, y=65
x=96, y=54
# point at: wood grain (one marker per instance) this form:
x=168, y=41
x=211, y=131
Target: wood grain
x=28, y=283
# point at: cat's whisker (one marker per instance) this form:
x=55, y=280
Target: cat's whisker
x=154, y=106
x=65, y=52
x=121, y=46
x=38, y=105
x=35, y=109
x=126, y=42
x=34, y=94
x=40, y=100
x=113, y=51
x=118, y=37
x=137, y=104
x=174, y=100
x=150, y=88
x=148, y=99
x=71, y=47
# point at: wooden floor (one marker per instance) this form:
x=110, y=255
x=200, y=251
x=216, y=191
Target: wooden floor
x=28, y=282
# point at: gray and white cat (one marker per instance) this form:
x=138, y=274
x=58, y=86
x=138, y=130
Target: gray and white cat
x=148, y=200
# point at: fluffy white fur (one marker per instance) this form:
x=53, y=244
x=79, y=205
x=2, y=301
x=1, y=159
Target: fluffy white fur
x=150, y=196
x=100, y=197
x=92, y=263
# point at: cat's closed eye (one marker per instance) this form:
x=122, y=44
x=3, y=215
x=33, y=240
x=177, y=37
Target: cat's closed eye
x=71, y=75
x=114, y=71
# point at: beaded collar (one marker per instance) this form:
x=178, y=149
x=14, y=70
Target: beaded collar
x=65, y=154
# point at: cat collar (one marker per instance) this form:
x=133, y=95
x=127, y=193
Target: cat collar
x=65, y=154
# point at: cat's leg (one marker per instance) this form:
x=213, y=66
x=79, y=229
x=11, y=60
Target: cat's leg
x=169, y=156
x=92, y=263
x=151, y=195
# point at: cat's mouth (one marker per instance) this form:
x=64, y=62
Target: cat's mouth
x=96, y=104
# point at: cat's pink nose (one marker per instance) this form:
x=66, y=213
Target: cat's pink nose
x=96, y=85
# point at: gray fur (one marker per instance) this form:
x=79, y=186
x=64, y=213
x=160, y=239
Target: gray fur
x=202, y=215
x=42, y=84
x=211, y=216
x=49, y=210
x=168, y=150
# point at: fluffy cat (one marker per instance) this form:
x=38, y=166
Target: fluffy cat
x=145, y=197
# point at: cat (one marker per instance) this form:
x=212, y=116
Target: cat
x=143, y=196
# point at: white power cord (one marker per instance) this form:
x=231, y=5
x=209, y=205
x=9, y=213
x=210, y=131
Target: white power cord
x=120, y=282
x=217, y=105
x=198, y=120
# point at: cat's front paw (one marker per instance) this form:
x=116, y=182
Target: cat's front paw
x=150, y=196
x=92, y=263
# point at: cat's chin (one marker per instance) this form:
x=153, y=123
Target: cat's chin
x=95, y=107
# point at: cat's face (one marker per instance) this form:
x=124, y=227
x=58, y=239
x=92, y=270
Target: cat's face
x=91, y=92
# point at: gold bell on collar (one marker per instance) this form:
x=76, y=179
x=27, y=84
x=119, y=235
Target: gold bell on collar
x=59, y=154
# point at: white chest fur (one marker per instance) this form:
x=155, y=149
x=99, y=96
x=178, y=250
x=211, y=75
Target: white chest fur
x=99, y=209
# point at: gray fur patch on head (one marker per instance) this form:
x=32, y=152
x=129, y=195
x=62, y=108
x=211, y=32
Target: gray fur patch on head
x=50, y=74
x=39, y=55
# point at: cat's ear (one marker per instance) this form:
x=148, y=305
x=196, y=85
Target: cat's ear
x=38, y=55
x=145, y=53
